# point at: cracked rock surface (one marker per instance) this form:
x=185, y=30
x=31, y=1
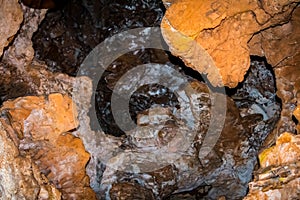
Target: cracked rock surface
x=49, y=151
x=40, y=130
x=278, y=177
x=11, y=17
x=207, y=32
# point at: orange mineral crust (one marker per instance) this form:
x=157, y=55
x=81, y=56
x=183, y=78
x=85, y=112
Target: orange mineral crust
x=212, y=36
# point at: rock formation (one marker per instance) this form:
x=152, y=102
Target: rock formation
x=224, y=35
x=215, y=34
x=278, y=177
x=49, y=151
x=40, y=130
x=11, y=16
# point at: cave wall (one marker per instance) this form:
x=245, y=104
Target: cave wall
x=225, y=32
x=229, y=34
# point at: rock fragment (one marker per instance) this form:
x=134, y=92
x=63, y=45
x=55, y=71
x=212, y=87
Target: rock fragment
x=212, y=36
x=11, y=16
x=278, y=177
x=42, y=125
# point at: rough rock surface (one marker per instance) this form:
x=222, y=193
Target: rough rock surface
x=55, y=159
x=20, y=53
x=41, y=126
x=207, y=32
x=11, y=16
x=278, y=177
x=121, y=161
x=20, y=177
x=281, y=46
x=17, y=68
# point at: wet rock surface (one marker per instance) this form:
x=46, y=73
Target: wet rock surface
x=280, y=45
x=227, y=168
x=163, y=157
x=67, y=35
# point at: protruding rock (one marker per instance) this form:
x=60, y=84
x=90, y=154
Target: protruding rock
x=20, y=177
x=11, y=16
x=281, y=46
x=42, y=124
x=297, y=115
x=278, y=177
x=211, y=36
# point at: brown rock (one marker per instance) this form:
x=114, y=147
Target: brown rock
x=212, y=36
x=281, y=47
x=11, y=16
x=20, y=178
x=20, y=53
x=42, y=124
x=124, y=191
x=279, y=175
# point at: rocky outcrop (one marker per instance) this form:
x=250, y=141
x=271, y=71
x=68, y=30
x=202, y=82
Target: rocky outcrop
x=41, y=128
x=20, y=176
x=167, y=161
x=11, y=16
x=212, y=36
x=278, y=177
x=280, y=45
x=20, y=53
x=42, y=155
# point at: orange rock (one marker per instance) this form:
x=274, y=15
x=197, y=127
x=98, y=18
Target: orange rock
x=64, y=163
x=43, y=123
x=278, y=177
x=20, y=178
x=37, y=117
x=212, y=36
x=287, y=150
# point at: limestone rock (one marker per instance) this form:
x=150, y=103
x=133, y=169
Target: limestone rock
x=42, y=124
x=212, y=36
x=281, y=47
x=20, y=177
x=38, y=118
x=278, y=177
x=129, y=162
x=123, y=191
x=21, y=53
x=11, y=16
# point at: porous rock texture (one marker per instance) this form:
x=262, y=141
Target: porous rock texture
x=49, y=158
x=224, y=34
x=11, y=16
x=297, y=115
x=278, y=177
x=20, y=176
x=212, y=36
x=119, y=166
x=40, y=130
x=281, y=46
